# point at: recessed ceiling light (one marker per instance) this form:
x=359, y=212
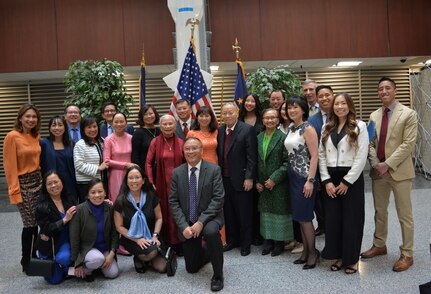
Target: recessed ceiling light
x=349, y=63
x=214, y=67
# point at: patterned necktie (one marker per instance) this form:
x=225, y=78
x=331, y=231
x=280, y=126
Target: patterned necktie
x=225, y=149
x=382, y=138
x=74, y=136
x=193, y=196
x=186, y=129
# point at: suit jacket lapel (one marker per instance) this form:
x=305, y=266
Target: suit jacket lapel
x=274, y=140
x=202, y=174
x=394, y=119
x=234, y=135
x=378, y=123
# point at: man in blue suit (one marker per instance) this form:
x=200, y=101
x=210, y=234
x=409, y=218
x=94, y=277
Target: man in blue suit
x=325, y=95
x=109, y=109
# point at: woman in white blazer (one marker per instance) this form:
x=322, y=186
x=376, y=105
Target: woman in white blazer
x=342, y=156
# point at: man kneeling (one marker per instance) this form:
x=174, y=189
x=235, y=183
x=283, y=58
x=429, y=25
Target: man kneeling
x=197, y=209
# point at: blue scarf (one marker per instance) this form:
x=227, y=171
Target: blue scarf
x=138, y=224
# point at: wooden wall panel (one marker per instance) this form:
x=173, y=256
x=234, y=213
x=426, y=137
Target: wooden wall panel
x=230, y=19
x=28, y=36
x=323, y=29
x=89, y=30
x=148, y=22
x=409, y=27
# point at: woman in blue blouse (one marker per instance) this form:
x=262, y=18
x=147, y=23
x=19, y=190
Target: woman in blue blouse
x=57, y=153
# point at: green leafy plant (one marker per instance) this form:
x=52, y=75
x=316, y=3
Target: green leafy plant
x=263, y=81
x=91, y=83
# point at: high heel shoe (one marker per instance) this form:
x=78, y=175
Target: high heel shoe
x=311, y=266
x=300, y=261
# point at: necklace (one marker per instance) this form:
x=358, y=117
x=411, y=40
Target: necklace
x=205, y=134
x=152, y=134
x=169, y=145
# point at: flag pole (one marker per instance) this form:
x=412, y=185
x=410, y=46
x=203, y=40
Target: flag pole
x=142, y=80
x=240, y=86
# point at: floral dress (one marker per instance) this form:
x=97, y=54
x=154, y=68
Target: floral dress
x=299, y=164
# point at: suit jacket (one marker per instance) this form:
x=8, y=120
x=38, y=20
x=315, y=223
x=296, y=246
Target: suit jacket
x=179, y=131
x=104, y=130
x=317, y=122
x=241, y=153
x=210, y=196
x=344, y=155
x=400, y=142
x=273, y=166
x=83, y=231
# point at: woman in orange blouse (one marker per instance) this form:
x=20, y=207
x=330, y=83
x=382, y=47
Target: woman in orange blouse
x=21, y=161
x=204, y=128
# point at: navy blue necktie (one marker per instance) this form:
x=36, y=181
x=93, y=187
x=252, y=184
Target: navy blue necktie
x=193, y=196
x=74, y=135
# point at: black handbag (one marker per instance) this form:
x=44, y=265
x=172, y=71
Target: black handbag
x=171, y=262
x=41, y=267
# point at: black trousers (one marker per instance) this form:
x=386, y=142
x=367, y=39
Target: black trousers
x=196, y=256
x=345, y=217
x=238, y=214
x=319, y=208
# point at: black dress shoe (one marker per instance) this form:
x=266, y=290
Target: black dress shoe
x=268, y=246
x=89, y=278
x=140, y=266
x=313, y=265
x=278, y=248
x=217, y=284
x=245, y=251
x=229, y=247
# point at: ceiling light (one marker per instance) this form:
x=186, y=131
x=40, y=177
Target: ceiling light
x=214, y=67
x=349, y=63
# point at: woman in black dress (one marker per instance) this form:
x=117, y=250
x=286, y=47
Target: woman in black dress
x=138, y=218
x=148, y=117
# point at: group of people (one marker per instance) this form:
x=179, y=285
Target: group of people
x=261, y=177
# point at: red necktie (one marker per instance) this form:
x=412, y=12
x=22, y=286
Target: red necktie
x=383, y=133
x=186, y=129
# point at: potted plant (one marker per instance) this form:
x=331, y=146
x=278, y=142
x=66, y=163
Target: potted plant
x=263, y=81
x=91, y=83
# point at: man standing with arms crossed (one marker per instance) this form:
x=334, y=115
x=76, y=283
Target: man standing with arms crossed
x=390, y=157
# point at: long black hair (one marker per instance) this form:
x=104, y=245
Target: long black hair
x=66, y=137
x=122, y=200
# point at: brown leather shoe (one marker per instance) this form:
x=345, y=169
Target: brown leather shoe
x=403, y=263
x=374, y=251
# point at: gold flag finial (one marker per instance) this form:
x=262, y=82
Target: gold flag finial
x=236, y=48
x=193, y=22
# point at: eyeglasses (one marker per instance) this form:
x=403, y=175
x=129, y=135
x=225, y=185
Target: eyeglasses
x=270, y=118
x=191, y=149
x=73, y=112
x=109, y=111
x=136, y=178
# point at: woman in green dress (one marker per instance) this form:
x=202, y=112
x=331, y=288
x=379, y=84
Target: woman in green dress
x=273, y=186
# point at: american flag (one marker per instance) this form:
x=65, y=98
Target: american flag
x=191, y=85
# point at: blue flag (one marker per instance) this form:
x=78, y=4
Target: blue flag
x=240, y=87
x=142, y=86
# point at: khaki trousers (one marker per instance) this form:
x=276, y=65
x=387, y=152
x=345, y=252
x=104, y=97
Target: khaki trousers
x=382, y=188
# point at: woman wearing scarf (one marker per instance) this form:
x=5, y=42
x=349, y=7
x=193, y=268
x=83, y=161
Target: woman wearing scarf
x=138, y=218
x=165, y=154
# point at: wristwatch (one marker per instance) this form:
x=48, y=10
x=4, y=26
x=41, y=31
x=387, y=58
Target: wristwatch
x=155, y=234
x=311, y=180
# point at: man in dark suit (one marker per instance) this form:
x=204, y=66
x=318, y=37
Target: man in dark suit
x=109, y=109
x=325, y=95
x=197, y=207
x=237, y=156
x=185, y=121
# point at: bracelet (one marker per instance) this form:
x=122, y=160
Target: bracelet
x=155, y=234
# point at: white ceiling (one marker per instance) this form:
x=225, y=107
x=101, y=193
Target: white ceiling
x=230, y=67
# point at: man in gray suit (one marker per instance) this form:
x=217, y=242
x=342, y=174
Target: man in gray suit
x=196, y=200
